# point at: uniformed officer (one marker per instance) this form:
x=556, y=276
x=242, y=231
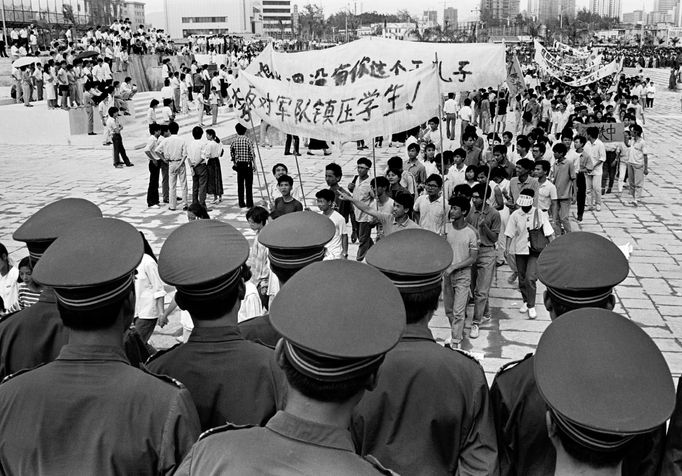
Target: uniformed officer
x=230, y=379
x=579, y=269
x=36, y=334
x=89, y=411
x=338, y=319
x=430, y=412
x=294, y=241
x=604, y=382
x=672, y=456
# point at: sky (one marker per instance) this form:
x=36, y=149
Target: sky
x=466, y=9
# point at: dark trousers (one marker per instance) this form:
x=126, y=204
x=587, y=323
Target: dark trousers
x=582, y=187
x=245, y=184
x=163, y=166
x=526, y=266
x=145, y=327
x=287, y=144
x=199, y=184
x=119, y=150
x=364, y=239
x=609, y=175
x=153, y=189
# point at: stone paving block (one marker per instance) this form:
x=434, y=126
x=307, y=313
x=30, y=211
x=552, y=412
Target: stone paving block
x=644, y=270
x=637, y=303
x=515, y=352
x=675, y=311
x=646, y=317
x=668, y=345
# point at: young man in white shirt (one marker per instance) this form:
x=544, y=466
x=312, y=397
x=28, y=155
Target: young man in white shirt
x=450, y=110
x=465, y=115
x=337, y=248
x=197, y=162
x=638, y=164
x=429, y=212
x=154, y=166
x=597, y=152
x=547, y=195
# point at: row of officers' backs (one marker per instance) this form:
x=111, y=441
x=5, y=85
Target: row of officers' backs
x=342, y=377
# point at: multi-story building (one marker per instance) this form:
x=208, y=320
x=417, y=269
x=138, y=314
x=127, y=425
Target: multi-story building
x=211, y=17
x=134, y=11
x=638, y=16
x=553, y=9
x=607, y=8
x=430, y=17
x=665, y=5
x=277, y=21
x=62, y=12
x=505, y=10
x=450, y=17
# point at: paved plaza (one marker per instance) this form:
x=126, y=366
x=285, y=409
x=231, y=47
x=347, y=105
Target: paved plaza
x=33, y=175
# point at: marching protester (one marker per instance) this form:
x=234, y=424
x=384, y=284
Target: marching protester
x=243, y=160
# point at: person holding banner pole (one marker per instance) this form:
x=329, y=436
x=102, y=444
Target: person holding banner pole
x=442, y=160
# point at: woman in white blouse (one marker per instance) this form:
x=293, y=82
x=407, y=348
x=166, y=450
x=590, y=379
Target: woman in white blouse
x=149, y=294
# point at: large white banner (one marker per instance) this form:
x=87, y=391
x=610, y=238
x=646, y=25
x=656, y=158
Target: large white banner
x=354, y=111
x=549, y=65
x=461, y=66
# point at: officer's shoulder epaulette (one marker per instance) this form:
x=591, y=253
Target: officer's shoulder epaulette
x=22, y=371
x=466, y=354
x=165, y=378
x=159, y=353
x=512, y=364
x=381, y=468
x=226, y=427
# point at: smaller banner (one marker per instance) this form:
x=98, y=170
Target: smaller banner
x=515, y=82
x=608, y=131
x=345, y=113
x=572, y=77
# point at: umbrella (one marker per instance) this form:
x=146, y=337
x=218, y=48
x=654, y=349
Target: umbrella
x=87, y=54
x=25, y=61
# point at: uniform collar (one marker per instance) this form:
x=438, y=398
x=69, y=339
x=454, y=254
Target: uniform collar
x=215, y=334
x=306, y=431
x=417, y=332
x=92, y=352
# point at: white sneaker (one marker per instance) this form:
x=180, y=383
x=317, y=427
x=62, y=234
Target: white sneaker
x=532, y=313
x=598, y=208
x=523, y=308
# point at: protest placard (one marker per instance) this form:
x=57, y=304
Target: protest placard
x=608, y=131
x=461, y=66
x=346, y=113
x=570, y=76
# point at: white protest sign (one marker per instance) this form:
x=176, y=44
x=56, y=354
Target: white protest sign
x=462, y=66
x=352, y=112
x=549, y=64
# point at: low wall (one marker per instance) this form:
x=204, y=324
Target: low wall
x=146, y=70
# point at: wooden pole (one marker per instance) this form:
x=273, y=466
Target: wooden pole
x=300, y=180
x=260, y=159
x=442, y=158
x=374, y=164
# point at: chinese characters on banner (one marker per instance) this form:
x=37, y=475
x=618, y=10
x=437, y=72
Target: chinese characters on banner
x=461, y=66
x=547, y=63
x=608, y=131
x=352, y=112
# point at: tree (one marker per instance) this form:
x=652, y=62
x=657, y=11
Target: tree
x=311, y=21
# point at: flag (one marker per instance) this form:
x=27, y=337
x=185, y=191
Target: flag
x=515, y=82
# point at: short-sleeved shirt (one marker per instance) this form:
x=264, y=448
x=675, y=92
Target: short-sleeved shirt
x=417, y=170
x=335, y=245
x=490, y=217
x=564, y=176
x=546, y=193
x=431, y=213
x=517, y=229
x=390, y=225
x=282, y=208
x=636, y=152
x=465, y=113
x=462, y=242
x=516, y=186
x=362, y=192
x=473, y=157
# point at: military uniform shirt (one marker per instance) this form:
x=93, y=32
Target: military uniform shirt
x=90, y=412
x=230, y=379
x=287, y=446
x=430, y=413
x=259, y=329
x=524, y=446
x=35, y=336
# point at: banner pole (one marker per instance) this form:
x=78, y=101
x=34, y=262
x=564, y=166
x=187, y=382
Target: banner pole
x=374, y=163
x=260, y=159
x=300, y=180
x=442, y=159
